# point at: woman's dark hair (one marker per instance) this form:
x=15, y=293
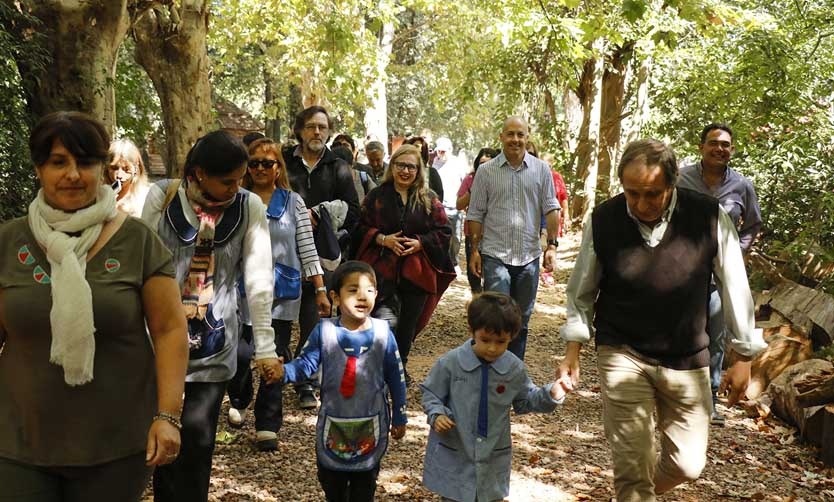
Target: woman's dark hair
x=347, y=268
x=345, y=138
x=484, y=152
x=84, y=136
x=424, y=147
x=218, y=153
x=495, y=312
x=654, y=153
x=253, y=136
x=343, y=153
x=305, y=115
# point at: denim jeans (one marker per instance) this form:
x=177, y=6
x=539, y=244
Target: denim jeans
x=716, y=329
x=474, y=280
x=455, y=222
x=520, y=282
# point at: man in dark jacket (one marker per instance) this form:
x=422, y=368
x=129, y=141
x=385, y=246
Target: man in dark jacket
x=320, y=177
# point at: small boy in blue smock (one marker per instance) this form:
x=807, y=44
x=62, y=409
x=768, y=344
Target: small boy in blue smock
x=467, y=398
x=360, y=365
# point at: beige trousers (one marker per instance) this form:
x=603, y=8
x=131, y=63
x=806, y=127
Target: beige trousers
x=632, y=391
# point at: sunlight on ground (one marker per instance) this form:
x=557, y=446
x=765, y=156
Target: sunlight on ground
x=555, y=310
x=525, y=489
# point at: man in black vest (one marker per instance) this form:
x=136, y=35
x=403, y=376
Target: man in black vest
x=642, y=279
x=320, y=178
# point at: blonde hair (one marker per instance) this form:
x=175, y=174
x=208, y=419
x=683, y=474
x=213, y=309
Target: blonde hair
x=124, y=150
x=268, y=145
x=418, y=192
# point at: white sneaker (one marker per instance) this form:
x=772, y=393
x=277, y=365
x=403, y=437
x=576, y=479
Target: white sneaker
x=237, y=417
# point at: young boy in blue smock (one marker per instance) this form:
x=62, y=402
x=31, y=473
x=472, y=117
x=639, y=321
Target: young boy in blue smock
x=467, y=398
x=360, y=365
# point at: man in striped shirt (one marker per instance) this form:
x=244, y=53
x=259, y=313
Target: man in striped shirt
x=509, y=196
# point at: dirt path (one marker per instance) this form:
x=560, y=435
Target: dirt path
x=558, y=457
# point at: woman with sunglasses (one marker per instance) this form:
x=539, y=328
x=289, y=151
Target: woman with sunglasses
x=295, y=257
x=404, y=234
x=126, y=174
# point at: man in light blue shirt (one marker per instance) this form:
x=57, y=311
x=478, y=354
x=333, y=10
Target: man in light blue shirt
x=510, y=194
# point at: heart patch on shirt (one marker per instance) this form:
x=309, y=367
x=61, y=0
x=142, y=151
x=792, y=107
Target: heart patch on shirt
x=24, y=256
x=500, y=389
x=112, y=265
x=40, y=275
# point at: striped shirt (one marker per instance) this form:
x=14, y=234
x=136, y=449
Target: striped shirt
x=509, y=204
x=304, y=240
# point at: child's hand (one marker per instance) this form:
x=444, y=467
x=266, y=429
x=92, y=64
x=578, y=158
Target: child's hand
x=443, y=424
x=397, y=431
x=560, y=388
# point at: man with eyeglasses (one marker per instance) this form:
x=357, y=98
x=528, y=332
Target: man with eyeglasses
x=713, y=176
x=510, y=195
x=319, y=177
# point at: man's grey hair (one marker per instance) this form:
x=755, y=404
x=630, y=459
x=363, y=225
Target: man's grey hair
x=374, y=146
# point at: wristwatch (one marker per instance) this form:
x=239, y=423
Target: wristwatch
x=553, y=242
x=321, y=289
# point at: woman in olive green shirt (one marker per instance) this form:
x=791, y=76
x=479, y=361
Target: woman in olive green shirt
x=88, y=403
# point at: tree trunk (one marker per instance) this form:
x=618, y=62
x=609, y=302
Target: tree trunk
x=376, y=117
x=83, y=40
x=171, y=47
x=641, y=108
x=590, y=94
x=613, y=89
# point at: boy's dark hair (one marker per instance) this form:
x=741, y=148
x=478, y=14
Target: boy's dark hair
x=347, y=268
x=495, y=312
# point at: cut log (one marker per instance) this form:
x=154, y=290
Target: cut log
x=785, y=347
x=822, y=393
x=808, y=420
x=806, y=307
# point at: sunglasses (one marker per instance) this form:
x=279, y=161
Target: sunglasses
x=265, y=163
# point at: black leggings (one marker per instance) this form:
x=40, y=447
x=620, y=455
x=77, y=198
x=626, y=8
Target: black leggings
x=187, y=479
x=410, y=301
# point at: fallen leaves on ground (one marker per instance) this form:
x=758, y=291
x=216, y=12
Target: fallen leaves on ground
x=558, y=457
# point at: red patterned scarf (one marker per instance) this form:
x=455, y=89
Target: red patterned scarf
x=198, y=287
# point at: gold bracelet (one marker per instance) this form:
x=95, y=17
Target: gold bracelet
x=171, y=419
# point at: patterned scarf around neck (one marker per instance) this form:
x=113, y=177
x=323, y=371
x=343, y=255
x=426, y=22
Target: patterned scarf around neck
x=198, y=287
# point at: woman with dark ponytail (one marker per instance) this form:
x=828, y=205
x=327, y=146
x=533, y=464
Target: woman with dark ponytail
x=217, y=234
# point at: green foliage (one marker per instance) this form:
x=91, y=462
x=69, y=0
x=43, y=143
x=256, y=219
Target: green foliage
x=17, y=179
x=767, y=74
x=324, y=49
x=138, y=110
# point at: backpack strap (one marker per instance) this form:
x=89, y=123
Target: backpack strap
x=171, y=192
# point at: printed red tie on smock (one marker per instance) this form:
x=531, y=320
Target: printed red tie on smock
x=348, y=385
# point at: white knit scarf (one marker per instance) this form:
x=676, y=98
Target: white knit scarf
x=73, y=344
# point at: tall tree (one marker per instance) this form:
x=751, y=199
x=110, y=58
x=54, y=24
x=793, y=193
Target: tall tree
x=171, y=47
x=82, y=39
